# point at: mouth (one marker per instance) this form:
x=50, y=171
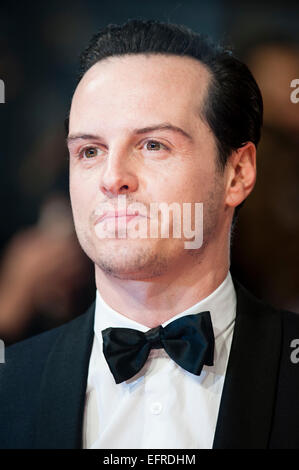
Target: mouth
x=118, y=216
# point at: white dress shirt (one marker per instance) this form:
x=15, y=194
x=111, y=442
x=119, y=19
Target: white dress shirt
x=163, y=406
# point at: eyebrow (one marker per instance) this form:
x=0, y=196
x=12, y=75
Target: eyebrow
x=165, y=126
x=143, y=130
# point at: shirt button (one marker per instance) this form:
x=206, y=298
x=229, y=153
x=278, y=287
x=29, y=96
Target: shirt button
x=156, y=408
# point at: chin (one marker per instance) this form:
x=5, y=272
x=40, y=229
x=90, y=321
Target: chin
x=135, y=262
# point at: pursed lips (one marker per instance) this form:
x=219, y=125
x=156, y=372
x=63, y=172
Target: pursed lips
x=117, y=214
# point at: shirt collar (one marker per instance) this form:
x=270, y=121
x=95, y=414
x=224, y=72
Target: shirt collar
x=221, y=304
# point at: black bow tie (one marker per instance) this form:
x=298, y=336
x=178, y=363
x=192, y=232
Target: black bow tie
x=189, y=341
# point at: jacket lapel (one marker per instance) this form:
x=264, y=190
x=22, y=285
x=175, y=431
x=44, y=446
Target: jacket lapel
x=247, y=402
x=63, y=386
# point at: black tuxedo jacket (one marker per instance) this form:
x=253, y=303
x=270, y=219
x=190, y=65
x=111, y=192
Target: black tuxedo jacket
x=43, y=383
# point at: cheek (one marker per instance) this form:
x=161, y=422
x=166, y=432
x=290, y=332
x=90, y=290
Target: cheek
x=81, y=196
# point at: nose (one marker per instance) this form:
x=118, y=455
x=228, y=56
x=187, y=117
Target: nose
x=119, y=176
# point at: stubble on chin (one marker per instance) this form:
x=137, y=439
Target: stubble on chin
x=132, y=262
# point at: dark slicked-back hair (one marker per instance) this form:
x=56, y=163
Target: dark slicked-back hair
x=233, y=106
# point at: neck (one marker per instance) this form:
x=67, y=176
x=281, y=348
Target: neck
x=153, y=301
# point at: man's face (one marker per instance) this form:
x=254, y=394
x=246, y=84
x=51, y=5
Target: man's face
x=135, y=130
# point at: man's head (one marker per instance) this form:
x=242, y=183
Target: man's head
x=163, y=116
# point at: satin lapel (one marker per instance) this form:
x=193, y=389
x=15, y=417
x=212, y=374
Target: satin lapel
x=63, y=386
x=247, y=402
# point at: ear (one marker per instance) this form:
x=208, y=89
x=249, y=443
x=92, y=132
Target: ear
x=241, y=174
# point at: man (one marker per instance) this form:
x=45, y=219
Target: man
x=159, y=115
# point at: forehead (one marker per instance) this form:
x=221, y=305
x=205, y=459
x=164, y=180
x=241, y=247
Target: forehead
x=146, y=87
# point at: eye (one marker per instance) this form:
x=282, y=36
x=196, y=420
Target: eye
x=155, y=145
x=89, y=152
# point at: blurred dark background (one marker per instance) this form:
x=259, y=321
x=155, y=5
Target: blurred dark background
x=45, y=279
